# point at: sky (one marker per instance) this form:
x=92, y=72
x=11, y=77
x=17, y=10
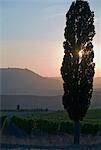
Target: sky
x=32, y=34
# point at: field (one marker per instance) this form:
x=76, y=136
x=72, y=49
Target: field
x=50, y=129
x=59, y=122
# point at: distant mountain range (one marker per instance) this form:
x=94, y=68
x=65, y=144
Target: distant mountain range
x=17, y=83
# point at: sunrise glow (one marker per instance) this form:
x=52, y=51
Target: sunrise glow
x=33, y=35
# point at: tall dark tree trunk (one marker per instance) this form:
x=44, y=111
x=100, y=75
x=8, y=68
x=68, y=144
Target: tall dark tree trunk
x=76, y=132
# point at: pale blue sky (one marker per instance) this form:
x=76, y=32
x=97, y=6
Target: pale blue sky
x=32, y=33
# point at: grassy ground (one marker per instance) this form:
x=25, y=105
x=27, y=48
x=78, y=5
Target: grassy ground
x=93, y=115
x=18, y=135
x=59, y=121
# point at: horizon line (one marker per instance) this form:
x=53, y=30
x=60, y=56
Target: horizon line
x=37, y=72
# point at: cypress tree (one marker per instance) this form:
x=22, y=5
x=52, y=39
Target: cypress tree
x=78, y=67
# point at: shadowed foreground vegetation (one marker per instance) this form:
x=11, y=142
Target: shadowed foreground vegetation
x=3, y=117
x=59, y=122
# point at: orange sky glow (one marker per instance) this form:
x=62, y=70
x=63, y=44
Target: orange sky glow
x=33, y=35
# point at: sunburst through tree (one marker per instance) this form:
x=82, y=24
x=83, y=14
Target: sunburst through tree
x=78, y=67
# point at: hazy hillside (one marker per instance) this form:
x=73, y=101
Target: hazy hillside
x=50, y=102
x=25, y=82
x=30, y=102
x=97, y=81
x=30, y=90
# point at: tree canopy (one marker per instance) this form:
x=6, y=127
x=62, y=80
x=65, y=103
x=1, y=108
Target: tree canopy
x=78, y=67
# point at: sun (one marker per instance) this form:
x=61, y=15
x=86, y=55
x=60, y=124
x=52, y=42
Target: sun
x=80, y=53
